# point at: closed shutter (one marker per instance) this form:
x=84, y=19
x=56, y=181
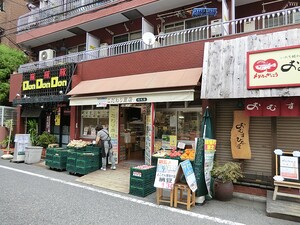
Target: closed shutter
x=259, y=168
x=288, y=133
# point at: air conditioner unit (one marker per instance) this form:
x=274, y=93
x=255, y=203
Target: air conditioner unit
x=46, y=54
x=249, y=26
x=216, y=28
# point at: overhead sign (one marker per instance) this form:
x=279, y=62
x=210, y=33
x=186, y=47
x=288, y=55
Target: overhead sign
x=273, y=68
x=204, y=12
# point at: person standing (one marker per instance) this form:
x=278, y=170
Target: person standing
x=106, y=146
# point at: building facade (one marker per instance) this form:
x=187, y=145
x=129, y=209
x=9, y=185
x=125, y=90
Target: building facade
x=9, y=15
x=146, y=69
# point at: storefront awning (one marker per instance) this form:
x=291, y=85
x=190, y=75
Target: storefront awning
x=184, y=79
x=31, y=112
x=145, y=97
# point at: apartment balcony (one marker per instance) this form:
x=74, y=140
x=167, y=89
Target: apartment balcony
x=264, y=22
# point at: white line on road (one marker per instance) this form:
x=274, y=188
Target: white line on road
x=200, y=216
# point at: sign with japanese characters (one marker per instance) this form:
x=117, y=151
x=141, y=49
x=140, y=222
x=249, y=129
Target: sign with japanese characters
x=186, y=169
x=240, y=147
x=273, y=107
x=166, y=173
x=273, y=68
x=289, y=167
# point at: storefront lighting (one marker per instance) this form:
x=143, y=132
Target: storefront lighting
x=180, y=117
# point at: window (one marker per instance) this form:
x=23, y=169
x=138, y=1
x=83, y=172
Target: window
x=76, y=49
x=191, y=36
x=90, y=117
x=120, y=49
x=1, y=5
x=185, y=124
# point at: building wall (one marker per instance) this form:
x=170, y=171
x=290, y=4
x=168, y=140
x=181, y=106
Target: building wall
x=154, y=60
x=9, y=20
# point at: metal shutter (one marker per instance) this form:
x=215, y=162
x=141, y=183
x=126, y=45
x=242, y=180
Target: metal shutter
x=259, y=168
x=288, y=133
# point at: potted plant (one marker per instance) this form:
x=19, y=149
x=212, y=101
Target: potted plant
x=9, y=125
x=224, y=177
x=44, y=140
x=32, y=127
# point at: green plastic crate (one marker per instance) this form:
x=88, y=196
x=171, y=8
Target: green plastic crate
x=50, y=150
x=58, y=165
x=87, y=163
x=48, y=162
x=93, y=149
x=142, y=173
x=137, y=182
x=71, y=168
x=85, y=170
x=141, y=192
x=71, y=161
x=49, y=156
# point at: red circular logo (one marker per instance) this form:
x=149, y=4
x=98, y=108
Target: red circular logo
x=268, y=65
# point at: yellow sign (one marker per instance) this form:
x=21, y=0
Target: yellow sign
x=40, y=84
x=57, y=120
x=271, y=68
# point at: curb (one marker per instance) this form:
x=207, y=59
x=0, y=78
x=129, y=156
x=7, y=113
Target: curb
x=249, y=197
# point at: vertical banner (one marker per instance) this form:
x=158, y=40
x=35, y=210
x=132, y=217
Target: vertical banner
x=114, y=129
x=240, y=146
x=199, y=168
x=149, y=138
x=209, y=154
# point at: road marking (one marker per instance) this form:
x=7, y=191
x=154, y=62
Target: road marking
x=184, y=212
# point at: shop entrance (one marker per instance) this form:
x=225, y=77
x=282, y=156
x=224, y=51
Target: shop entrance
x=133, y=131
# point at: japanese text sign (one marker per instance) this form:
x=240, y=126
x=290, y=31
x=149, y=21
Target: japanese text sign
x=166, y=173
x=272, y=68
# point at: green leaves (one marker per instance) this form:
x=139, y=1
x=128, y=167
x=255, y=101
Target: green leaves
x=10, y=60
x=230, y=171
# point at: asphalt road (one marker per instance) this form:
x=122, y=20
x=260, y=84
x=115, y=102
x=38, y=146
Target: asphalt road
x=31, y=194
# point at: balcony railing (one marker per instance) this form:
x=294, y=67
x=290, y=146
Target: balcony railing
x=243, y=25
x=58, y=11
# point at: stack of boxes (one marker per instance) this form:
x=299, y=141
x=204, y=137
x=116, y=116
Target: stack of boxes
x=142, y=180
x=79, y=161
x=56, y=158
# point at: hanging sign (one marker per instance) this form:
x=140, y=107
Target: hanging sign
x=240, y=147
x=273, y=107
x=204, y=12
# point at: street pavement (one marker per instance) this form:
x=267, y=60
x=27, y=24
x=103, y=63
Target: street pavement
x=33, y=194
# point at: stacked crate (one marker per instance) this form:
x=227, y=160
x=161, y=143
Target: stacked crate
x=49, y=157
x=59, y=161
x=71, y=161
x=56, y=158
x=142, y=180
x=85, y=160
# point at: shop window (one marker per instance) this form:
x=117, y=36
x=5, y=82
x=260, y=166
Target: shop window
x=185, y=124
x=188, y=127
x=165, y=124
x=90, y=118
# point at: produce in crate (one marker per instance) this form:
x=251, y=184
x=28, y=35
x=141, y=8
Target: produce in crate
x=188, y=154
x=78, y=144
